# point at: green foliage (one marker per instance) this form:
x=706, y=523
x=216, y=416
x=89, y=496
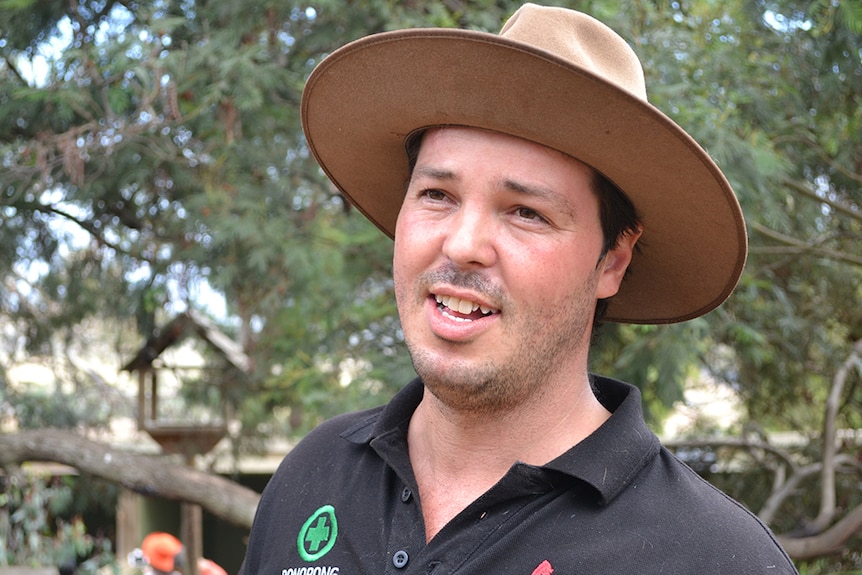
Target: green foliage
x=35, y=530
x=660, y=360
x=35, y=410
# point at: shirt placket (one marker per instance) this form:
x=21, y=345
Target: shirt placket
x=406, y=535
x=461, y=542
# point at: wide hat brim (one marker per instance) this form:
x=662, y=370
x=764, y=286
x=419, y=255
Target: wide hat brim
x=365, y=99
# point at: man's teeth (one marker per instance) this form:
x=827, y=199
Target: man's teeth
x=462, y=306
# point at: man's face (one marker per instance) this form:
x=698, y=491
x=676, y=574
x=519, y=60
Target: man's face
x=497, y=268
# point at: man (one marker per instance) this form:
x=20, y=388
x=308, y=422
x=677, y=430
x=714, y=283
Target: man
x=542, y=192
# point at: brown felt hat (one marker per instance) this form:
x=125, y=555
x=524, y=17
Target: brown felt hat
x=556, y=77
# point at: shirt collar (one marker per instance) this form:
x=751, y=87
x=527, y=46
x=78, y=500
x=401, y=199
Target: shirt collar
x=610, y=457
x=607, y=460
x=394, y=416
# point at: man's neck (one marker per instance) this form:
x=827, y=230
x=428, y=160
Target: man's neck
x=457, y=456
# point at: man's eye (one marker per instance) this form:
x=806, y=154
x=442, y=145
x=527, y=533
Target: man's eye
x=529, y=214
x=433, y=194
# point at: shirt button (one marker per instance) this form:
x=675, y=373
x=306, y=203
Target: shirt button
x=400, y=559
x=406, y=494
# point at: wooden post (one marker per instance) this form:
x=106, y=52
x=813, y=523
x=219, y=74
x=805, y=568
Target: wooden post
x=191, y=529
x=129, y=534
x=154, y=396
x=142, y=398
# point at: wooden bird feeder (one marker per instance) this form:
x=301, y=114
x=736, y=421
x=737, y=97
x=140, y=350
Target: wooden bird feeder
x=186, y=438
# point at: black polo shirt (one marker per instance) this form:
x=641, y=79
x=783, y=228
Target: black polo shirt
x=344, y=501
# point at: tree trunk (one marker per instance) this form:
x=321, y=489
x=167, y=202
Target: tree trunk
x=149, y=475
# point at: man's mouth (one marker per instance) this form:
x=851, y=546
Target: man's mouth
x=462, y=309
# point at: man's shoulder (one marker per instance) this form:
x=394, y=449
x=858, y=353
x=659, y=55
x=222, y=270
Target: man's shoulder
x=322, y=460
x=719, y=526
x=346, y=428
x=683, y=481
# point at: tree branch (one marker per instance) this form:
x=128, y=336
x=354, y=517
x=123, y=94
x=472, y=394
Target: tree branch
x=807, y=192
x=784, y=489
x=149, y=475
x=830, y=541
x=734, y=443
x=833, y=402
x=798, y=246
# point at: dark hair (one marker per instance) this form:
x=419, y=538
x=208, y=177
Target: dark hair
x=616, y=211
x=619, y=218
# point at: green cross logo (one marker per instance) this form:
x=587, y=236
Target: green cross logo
x=320, y=529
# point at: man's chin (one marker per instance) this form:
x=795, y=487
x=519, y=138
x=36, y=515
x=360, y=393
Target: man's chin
x=470, y=391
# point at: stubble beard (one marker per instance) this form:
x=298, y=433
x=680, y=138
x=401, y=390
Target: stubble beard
x=495, y=386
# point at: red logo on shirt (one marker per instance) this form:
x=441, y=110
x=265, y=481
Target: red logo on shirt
x=544, y=569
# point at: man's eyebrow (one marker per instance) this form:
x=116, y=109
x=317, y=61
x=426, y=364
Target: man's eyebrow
x=559, y=201
x=436, y=173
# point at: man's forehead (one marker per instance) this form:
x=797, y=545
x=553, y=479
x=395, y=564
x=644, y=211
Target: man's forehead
x=443, y=162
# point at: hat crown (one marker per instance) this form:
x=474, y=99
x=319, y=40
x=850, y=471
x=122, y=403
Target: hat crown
x=581, y=40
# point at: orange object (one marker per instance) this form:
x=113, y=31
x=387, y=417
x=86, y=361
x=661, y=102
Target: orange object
x=160, y=550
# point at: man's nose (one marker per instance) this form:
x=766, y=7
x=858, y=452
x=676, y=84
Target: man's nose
x=469, y=240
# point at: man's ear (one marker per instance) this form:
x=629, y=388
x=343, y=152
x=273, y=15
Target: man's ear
x=612, y=268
